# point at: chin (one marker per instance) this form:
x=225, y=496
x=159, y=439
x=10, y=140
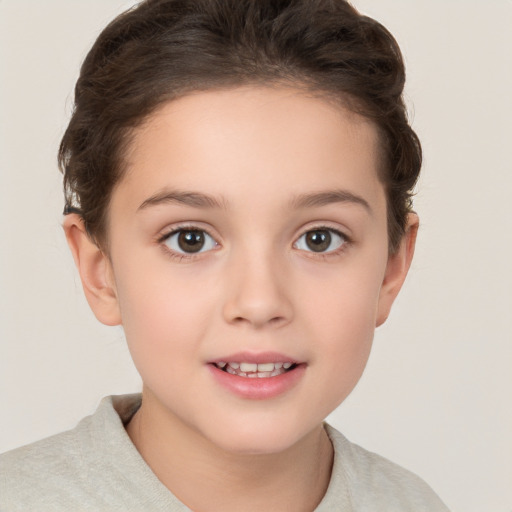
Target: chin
x=252, y=437
x=252, y=445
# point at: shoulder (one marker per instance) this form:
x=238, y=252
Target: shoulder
x=45, y=470
x=376, y=483
x=92, y=467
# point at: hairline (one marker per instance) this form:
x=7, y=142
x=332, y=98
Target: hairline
x=340, y=100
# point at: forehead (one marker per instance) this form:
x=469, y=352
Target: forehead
x=251, y=142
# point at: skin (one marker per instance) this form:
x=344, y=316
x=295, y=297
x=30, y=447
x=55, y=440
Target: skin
x=256, y=287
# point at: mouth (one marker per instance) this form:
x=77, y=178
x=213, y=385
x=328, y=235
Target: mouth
x=257, y=376
x=255, y=370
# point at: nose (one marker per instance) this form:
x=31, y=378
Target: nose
x=257, y=293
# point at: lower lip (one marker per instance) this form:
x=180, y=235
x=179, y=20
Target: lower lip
x=259, y=388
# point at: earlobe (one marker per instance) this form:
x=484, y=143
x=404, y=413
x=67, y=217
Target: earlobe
x=397, y=269
x=95, y=271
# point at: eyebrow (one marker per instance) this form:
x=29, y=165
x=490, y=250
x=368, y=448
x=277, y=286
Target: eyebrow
x=329, y=197
x=200, y=200
x=194, y=199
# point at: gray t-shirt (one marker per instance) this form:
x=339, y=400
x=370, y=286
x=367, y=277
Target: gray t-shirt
x=96, y=467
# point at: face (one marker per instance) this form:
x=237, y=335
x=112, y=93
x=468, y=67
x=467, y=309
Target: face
x=249, y=252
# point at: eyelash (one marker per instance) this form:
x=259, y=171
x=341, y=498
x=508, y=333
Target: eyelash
x=347, y=241
x=178, y=256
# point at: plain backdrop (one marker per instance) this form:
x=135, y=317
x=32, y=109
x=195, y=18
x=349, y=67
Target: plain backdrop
x=437, y=393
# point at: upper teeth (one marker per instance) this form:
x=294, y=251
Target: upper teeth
x=255, y=367
x=258, y=369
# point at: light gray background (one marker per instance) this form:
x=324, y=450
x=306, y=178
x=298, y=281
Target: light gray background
x=436, y=396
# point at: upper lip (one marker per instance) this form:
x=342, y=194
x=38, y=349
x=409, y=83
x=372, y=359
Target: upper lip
x=255, y=357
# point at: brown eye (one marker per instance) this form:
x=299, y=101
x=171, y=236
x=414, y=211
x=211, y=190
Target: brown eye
x=320, y=240
x=190, y=241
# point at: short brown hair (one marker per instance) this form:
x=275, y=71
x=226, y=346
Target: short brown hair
x=163, y=49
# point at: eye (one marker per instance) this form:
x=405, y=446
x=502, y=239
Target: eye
x=321, y=240
x=190, y=241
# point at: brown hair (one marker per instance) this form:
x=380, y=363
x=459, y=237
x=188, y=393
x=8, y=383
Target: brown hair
x=163, y=49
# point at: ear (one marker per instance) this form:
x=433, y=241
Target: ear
x=396, y=269
x=95, y=271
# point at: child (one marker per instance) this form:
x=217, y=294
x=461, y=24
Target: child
x=238, y=176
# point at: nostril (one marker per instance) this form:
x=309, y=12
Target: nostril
x=257, y=308
x=274, y=321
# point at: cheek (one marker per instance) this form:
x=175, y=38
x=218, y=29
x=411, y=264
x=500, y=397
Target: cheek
x=344, y=345
x=345, y=334
x=163, y=316
x=341, y=316
x=344, y=299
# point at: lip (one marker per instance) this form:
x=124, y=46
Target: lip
x=255, y=357
x=261, y=388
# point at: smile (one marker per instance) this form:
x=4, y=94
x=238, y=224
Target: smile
x=257, y=376
x=255, y=370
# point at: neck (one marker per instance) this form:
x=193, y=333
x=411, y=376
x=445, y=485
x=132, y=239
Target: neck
x=206, y=477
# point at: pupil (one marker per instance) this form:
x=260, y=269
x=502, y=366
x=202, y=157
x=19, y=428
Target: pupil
x=191, y=241
x=318, y=241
